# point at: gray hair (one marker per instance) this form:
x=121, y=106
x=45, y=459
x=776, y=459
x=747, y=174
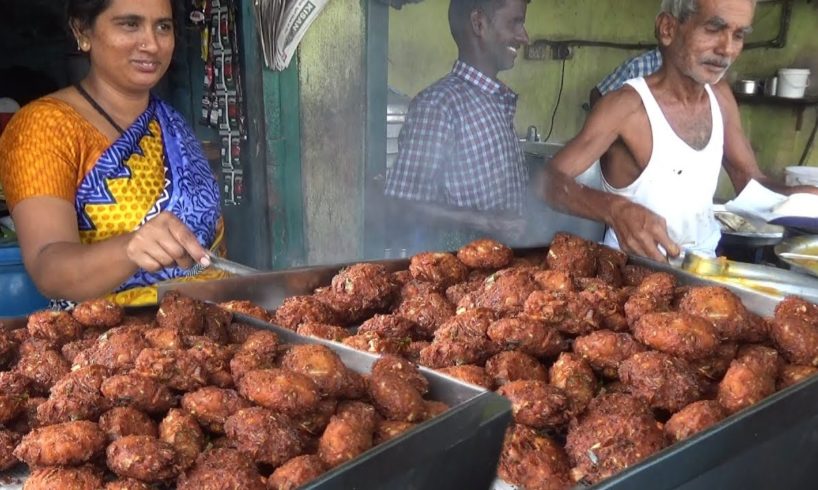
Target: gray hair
x=680, y=9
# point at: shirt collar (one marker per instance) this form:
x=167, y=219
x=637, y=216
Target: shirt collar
x=477, y=78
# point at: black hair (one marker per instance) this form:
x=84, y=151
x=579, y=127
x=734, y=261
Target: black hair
x=83, y=13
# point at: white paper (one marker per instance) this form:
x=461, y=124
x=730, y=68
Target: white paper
x=297, y=17
x=757, y=203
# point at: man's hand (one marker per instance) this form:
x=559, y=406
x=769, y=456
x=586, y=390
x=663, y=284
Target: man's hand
x=803, y=189
x=640, y=231
x=164, y=242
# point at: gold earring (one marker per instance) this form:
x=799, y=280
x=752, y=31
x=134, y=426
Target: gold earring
x=83, y=45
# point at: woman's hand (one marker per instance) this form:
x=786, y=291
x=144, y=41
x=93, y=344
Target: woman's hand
x=641, y=231
x=165, y=242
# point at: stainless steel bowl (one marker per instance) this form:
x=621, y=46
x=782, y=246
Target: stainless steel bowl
x=746, y=87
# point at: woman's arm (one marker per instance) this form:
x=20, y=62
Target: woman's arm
x=62, y=267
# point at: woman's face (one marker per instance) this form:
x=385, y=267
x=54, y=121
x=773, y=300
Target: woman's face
x=131, y=43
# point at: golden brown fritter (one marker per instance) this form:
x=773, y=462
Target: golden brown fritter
x=321, y=364
x=34, y=345
x=296, y=472
x=439, y=268
x=566, y=311
x=640, y=304
x=56, y=326
x=164, y=338
x=683, y=335
x=245, y=361
x=536, y=403
x=633, y=275
x=117, y=350
x=248, y=308
x=795, y=331
x=127, y=484
x=470, y=373
x=714, y=367
x=359, y=291
x=181, y=312
x=743, y=385
x=605, y=350
x=126, y=421
x=435, y=408
x=447, y=353
x=456, y=292
x=428, y=311
x=178, y=369
x=527, y=335
x=611, y=438
x=216, y=321
x=396, y=399
x=82, y=405
x=762, y=359
x=403, y=369
x=609, y=303
x=181, y=431
x=574, y=376
x=323, y=331
x=505, y=292
x=570, y=253
x=390, y=429
x=791, y=374
x=348, y=434
x=552, y=280
x=532, y=460
x=264, y=436
x=374, y=342
x=415, y=287
x=214, y=358
x=297, y=310
x=85, y=379
x=662, y=285
x=211, y=406
x=315, y=422
x=143, y=458
x=100, y=313
x=8, y=441
x=724, y=309
x=238, y=332
x=693, y=419
x=485, y=253
x=69, y=443
x=412, y=350
x=43, y=368
x=84, y=477
x=72, y=349
x=27, y=419
x=13, y=394
x=663, y=381
x=282, y=390
x=390, y=326
x=8, y=347
x=140, y=392
x=219, y=469
x=610, y=263
x=513, y=366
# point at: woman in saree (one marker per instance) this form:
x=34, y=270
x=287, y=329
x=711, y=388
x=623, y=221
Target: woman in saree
x=108, y=187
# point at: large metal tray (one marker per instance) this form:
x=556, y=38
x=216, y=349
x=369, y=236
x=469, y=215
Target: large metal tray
x=428, y=456
x=772, y=444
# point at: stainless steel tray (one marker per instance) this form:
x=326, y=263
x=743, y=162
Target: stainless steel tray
x=428, y=456
x=769, y=445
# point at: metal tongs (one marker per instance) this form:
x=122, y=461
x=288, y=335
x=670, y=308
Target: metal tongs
x=224, y=265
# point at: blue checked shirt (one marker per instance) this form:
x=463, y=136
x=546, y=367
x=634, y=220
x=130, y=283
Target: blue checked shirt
x=638, y=66
x=458, y=146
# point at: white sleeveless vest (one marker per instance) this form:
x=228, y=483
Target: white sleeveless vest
x=678, y=182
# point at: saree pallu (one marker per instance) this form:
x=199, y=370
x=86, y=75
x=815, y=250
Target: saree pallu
x=156, y=166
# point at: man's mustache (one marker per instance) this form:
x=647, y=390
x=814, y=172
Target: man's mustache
x=720, y=62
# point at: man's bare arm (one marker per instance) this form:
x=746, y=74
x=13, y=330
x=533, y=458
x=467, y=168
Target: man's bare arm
x=639, y=230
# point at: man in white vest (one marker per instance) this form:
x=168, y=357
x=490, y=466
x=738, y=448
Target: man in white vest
x=671, y=132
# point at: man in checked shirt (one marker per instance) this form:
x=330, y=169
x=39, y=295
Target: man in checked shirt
x=460, y=172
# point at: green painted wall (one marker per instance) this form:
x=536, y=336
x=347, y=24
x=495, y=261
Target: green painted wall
x=421, y=51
